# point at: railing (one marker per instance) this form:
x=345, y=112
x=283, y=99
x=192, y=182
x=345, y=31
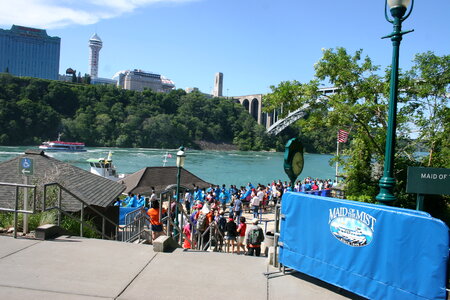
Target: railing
x=276, y=243
x=83, y=205
x=197, y=239
x=16, y=209
x=135, y=226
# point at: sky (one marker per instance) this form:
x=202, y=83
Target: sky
x=254, y=43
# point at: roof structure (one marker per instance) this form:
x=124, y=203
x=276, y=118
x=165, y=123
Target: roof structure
x=161, y=178
x=95, y=37
x=90, y=188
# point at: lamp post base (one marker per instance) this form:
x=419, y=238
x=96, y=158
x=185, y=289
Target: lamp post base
x=386, y=195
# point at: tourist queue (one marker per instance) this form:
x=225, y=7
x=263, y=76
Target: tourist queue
x=209, y=206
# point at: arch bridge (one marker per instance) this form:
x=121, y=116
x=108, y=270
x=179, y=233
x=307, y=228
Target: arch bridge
x=272, y=122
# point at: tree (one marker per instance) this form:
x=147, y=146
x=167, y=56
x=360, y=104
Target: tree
x=429, y=86
x=360, y=106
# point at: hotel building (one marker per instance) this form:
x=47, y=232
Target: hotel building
x=26, y=51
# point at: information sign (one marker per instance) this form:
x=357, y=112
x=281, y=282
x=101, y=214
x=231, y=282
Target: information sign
x=26, y=166
x=428, y=181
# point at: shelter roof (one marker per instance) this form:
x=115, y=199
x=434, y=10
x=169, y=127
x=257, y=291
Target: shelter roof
x=90, y=188
x=161, y=178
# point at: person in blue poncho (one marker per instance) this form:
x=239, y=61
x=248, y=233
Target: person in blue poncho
x=140, y=200
x=127, y=199
x=198, y=194
x=224, y=197
x=118, y=202
x=133, y=201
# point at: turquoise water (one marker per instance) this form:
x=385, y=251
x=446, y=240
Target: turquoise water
x=218, y=167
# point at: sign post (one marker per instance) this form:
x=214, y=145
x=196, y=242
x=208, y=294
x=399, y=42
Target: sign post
x=427, y=181
x=26, y=168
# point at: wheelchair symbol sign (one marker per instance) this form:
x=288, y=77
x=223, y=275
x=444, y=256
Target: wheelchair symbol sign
x=26, y=166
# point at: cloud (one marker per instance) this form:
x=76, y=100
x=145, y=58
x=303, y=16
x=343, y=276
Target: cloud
x=51, y=14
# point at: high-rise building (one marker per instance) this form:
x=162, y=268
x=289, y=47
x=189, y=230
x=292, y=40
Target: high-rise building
x=95, y=43
x=26, y=51
x=138, y=80
x=218, y=85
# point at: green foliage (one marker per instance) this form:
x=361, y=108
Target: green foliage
x=73, y=227
x=6, y=219
x=429, y=88
x=34, y=220
x=360, y=106
x=32, y=110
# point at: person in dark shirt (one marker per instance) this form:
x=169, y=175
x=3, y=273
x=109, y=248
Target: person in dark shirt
x=231, y=233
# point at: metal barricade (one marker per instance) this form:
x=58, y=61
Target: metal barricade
x=135, y=226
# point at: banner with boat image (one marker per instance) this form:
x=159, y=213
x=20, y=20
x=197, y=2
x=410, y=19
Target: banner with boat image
x=375, y=251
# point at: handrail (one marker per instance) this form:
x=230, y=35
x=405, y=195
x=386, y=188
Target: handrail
x=134, y=225
x=16, y=209
x=83, y=203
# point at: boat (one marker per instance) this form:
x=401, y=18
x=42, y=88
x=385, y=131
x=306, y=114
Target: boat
x=104, y=167
x=62, y=146
x=59, y=145
x=351, y=237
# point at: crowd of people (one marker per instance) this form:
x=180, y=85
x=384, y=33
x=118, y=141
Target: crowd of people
x=223, y=207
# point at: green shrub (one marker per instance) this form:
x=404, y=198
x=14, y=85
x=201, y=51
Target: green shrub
x=73, y=227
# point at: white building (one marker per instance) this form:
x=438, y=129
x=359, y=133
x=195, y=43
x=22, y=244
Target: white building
x=138, y=80
x=95, y=43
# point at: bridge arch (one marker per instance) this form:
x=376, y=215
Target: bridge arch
x=254, y=109
x=271, y=120
x=246, y=104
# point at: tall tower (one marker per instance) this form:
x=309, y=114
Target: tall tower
x=95, y=43
x=218, y=85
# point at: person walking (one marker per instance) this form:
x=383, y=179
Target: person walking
x=241, y=230
x=255, y=236
x=188, y=201
x=231, y=233
x=255, y=206
x=153, y=214
x=237, y=208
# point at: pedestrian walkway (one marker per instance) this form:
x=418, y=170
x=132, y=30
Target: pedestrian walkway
x=78, y=268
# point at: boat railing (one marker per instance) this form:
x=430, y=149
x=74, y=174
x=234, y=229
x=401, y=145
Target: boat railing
x=21, y=206
x=51, y=204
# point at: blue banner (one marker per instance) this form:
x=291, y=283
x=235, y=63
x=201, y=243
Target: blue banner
x=375, y=251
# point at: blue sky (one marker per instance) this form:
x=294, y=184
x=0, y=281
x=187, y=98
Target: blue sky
x=255, y=43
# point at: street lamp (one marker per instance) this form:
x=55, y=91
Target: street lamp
x=181, y=156
x=387, y=182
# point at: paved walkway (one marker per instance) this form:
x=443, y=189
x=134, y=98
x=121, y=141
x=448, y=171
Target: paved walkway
x=77, y=268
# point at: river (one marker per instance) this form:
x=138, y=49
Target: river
x=219, y=167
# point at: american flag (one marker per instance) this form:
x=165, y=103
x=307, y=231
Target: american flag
x=342, y=136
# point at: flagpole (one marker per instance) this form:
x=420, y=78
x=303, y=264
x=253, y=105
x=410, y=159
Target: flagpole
x=337, y=158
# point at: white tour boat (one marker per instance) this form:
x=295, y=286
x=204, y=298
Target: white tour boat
x=105, y=168
x=62, y=146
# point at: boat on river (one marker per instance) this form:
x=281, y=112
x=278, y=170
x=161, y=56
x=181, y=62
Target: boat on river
x=62, y=146
x=104, y=167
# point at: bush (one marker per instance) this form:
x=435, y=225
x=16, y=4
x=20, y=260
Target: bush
x=73, y=227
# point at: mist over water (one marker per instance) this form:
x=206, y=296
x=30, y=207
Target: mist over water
x=218, y=167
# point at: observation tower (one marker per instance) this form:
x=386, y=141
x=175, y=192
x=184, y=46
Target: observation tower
x=95, y=43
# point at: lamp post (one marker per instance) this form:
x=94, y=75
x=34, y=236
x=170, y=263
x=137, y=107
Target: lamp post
x=387, y=182
x=180, y=164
